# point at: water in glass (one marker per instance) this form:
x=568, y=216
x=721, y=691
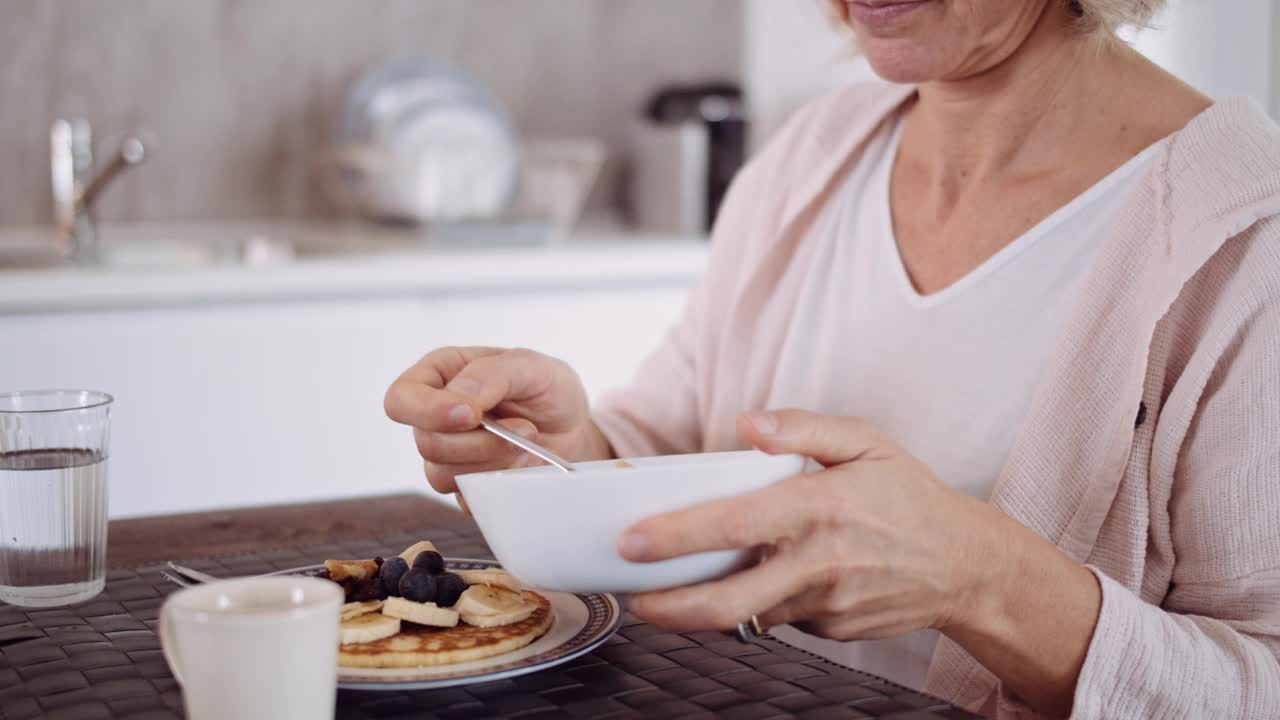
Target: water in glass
x=53, y=508
x=53, y=496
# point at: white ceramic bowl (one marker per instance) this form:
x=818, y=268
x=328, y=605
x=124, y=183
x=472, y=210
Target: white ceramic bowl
x=559, y=531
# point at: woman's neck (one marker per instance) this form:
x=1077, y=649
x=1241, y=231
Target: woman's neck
x=1056, y=93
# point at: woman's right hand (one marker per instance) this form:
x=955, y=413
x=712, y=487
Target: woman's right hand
x=445, y=394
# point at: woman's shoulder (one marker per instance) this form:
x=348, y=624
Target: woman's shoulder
x=1221, y=182
x=1223, y=169
x=1209, y=214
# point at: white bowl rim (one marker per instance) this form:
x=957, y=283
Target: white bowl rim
x=664, y=462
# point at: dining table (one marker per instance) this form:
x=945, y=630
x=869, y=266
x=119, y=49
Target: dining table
x=101, y=658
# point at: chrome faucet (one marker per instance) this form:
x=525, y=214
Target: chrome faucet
x=75, y=186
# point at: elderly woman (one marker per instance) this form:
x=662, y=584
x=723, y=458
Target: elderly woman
x=1023, y=301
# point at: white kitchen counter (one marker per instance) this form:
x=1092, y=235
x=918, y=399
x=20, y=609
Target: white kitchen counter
x=326, y=271
x=254, y=384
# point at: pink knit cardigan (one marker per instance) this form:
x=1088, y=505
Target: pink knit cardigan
x=1152, y=449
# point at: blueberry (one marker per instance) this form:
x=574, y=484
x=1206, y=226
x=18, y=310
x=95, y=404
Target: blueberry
x=390, y=573
x=449, y=588
x=418, y=585
x=430, y=561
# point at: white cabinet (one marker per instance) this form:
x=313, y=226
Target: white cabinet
x=261, y=402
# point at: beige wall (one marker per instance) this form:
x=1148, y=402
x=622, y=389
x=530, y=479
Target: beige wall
x=237, y=93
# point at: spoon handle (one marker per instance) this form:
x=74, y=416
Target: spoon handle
x=527, y=445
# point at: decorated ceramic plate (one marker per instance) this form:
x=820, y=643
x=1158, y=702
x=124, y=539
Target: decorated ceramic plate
x=580, y=623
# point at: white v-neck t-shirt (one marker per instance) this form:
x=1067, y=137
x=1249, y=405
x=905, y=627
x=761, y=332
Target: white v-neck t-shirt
x=948, y=375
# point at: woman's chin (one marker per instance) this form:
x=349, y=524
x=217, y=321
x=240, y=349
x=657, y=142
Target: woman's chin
x=901, y=61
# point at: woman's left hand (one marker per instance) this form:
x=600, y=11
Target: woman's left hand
x=872, y=546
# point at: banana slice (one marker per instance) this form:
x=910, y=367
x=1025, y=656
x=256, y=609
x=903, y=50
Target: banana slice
x=367, y=628
x=411, y=554
x=488, y=600
x=421, y=613
x=511, y=618
x=356, y=609
x=491, y=576
x=489, y=606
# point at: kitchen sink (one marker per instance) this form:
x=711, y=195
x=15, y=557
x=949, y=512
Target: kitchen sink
x=192, y=245
x=252, y=244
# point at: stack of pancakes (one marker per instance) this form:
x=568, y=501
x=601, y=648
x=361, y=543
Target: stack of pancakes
x=422, y=645
x=494, y=615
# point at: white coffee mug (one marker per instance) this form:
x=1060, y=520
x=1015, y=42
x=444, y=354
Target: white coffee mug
x=255, y=647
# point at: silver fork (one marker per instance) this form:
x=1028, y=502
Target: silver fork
x=185, y=576
x=193, y=577
x=177, y=579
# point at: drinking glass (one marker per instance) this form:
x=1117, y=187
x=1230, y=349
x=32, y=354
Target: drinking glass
x=53, y=495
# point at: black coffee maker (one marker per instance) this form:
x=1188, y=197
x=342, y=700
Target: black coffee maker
x=719, y=106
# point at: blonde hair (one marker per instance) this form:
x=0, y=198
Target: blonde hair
x=1112, y=15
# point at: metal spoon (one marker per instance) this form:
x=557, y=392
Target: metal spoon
x=527, y=445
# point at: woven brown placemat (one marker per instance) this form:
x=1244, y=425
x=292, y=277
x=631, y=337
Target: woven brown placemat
x=101, y=659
